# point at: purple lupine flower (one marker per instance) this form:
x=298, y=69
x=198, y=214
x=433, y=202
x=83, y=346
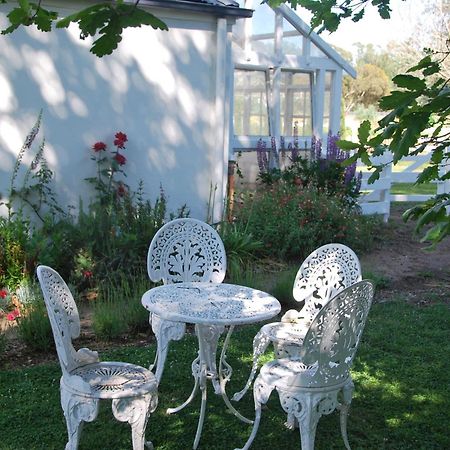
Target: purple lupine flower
x=261, y=155
x=358, y=182
x=349, y=173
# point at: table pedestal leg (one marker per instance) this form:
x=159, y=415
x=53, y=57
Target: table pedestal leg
x=225, y=372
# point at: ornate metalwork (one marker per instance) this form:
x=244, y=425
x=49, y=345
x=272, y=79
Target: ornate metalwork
x=308, y=387
x=323, y=274
x=85, y=379
x=183, y=250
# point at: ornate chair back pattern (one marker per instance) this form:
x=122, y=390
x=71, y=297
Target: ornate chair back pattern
x=186, y=250
x=330, y=344
x=63, y=315
x=323, y=274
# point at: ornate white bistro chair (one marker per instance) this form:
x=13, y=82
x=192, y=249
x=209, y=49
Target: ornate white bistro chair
x=85, y=380
x=324, y=273
x=318, y=380
x=184, y=250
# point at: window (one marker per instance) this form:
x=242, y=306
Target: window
x=327, y=102
x=295, y=103
x=251, y=116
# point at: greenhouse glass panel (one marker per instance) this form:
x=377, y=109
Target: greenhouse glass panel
x=251, y=116
x=295, y=103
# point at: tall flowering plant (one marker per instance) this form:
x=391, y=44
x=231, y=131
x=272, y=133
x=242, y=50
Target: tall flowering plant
x=109, y=165
x=9, y=306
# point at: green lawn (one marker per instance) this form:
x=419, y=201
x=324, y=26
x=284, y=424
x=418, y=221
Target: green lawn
x=411, y=188
x=401, y=400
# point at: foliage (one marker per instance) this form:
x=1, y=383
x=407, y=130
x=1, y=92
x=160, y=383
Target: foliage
x=400, y=373
x=417, y=121
x=35, y=190
x=115, y=297
x=324, y=172
x=367, y=89
x=3, y=343
x=33, y=326
x=240, y=247
x=292, y=221
x=283, y=287
x=327, y=15
x=103, y=20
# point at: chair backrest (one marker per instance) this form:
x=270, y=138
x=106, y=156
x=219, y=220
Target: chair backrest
x=324, y=273
x=63, y=314
x=186, y=250
x=332, y=339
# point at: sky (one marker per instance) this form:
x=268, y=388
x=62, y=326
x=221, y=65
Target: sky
x=372, y=29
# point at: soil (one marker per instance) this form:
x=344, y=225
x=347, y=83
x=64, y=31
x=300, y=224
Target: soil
x=398, y=262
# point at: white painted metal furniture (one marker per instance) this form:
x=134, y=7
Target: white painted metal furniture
x=324, y=273
x=309, y=385
x=183, y=250
x=211, y=307
x=85, y=380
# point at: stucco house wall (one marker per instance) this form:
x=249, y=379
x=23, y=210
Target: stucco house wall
x=166, y=90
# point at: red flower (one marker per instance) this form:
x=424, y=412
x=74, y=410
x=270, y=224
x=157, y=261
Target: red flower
x=120, y=140
x=87, y=274
x=121, y=190
x=99, y=146
x=121, y=160
x=3, y=293
x=13, y=315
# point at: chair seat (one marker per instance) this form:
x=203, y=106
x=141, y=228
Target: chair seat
x=285, y=332
x=289, y=374
x=114, y=380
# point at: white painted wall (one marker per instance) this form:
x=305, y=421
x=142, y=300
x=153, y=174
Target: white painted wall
x=159, y=88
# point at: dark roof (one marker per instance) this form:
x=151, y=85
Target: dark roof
x=215, y=7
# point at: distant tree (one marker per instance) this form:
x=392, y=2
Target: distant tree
x=369, y=86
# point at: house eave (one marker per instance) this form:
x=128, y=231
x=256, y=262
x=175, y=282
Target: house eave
x=197, y=7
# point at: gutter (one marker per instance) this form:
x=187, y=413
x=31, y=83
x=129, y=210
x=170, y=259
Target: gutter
x=197, y=7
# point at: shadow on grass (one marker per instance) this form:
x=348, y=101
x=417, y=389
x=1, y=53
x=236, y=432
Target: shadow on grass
x=401, y=398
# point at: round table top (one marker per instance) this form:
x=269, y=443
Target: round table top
x=210, y=303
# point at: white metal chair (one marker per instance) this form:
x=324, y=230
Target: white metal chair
x=184, y=250
x=324, y=273
x=309, y=384
x=85, y=380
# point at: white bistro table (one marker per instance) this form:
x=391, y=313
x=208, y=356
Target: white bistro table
x=211, y=307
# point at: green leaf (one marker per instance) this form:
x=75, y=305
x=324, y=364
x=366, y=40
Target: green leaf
x=409, y=82
x=358, y=16
x=424, y=62
x=365, y=159
x=398, y=99
x=347, y=145
x=364, y=131
x=374, y=176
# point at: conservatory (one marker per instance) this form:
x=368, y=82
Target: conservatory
x=287, y=83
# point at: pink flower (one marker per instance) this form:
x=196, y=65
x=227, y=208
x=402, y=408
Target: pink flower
x=121, y=160
x=99, y=146
x=3, y=293
x=13, y=315
x=120, y=140
x=87, y=274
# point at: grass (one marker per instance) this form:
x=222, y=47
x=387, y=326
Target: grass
x=413, y=189
x=401, y=398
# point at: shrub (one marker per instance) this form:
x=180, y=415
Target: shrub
x=283, y=286
x=118, y=310
x=292, y=221
x=2, y=343
x=34, y=327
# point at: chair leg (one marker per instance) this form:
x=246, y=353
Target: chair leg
x=261, y=394
x=165, y=331
x=76, y=411
x=135, y=411
x=347, y=394
x=260, y=343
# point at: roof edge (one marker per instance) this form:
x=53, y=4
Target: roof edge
x=203, y=7
x=292, y=17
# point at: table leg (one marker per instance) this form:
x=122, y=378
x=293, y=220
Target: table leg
x=225, y=372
